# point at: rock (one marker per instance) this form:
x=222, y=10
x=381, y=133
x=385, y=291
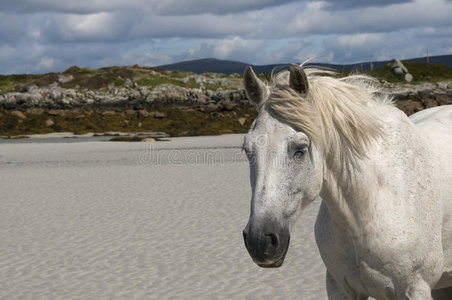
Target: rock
x=49, y=122
x=108, y=113
x=148, y=139
x=143, y=113
x=18, y=114
x=78, y=117
x=229, y=106
x=56, y=112
x=399, y=70
x=53, y=85
x=211, y=107
x=128, y=82
x=159, y=115
x=35, y=111
x=130, y=112
x=139, y=124
x=217, y=114
x=408, y=77
x=242, y=121
x=64, y=79
x=28, y=88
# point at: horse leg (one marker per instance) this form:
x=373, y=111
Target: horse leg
x=418, y=290
x=337, y=292
x=442, y=294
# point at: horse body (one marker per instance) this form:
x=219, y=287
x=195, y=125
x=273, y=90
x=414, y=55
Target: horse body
x=384, y=228
x=397, y=245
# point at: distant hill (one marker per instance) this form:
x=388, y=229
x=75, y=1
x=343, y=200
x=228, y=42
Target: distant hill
x=212, y=65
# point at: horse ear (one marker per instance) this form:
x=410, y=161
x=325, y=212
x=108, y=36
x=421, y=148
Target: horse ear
x=255, y=89
x=298, y=80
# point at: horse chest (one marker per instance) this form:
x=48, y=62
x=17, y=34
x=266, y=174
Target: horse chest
x=356, y=273
x=354, y=267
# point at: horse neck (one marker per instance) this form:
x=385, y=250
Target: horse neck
x=346, y=200
x=351, y=196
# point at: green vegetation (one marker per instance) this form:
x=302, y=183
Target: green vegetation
x=421, y=71
x=158, y=80
x=101, y=79
x=174, y=121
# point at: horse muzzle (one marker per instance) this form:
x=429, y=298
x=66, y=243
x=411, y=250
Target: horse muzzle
x=267, y=244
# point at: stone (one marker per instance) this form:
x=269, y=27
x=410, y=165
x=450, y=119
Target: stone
x=143, y=113
x=211, y=107
x=217, y=114
x=139, y=124
x=108, y=113
x=130, y=112
x=229, y=106
x=53, y=85
x=64, y=79
x=56, y=112
x=159, y=115
x=128, y=82
x=78, y=117
x=148, y=139
x=399, y=70
x=28, y=88
x=242, y=121
x=18, y=114
x=49, y=122
x=35, y=111
x=408, y=77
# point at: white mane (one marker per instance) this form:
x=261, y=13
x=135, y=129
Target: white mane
x=340, y=116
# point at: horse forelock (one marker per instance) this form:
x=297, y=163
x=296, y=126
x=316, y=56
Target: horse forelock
x=340, y=116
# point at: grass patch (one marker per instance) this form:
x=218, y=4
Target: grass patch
x=176, y=122
x=421, y=71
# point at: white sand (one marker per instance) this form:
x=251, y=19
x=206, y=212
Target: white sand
x=108, y=220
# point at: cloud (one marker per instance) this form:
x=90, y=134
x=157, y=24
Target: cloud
x=317, y=19
x=50, y=35
x=95, y=27
x=234, y=48
x=382, y=46
x=350, y=4
x=155, y=7
x=361, y=46
x=195, y=7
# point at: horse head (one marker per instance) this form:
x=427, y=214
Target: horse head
x=286, y=169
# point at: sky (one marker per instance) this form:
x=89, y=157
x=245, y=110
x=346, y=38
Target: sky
x=38, y=36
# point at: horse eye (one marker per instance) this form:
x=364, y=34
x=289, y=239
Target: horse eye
x=299, y=154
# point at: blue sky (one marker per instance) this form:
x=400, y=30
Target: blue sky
x=38, y=36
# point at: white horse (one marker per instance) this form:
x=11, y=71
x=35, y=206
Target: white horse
x=384, y=228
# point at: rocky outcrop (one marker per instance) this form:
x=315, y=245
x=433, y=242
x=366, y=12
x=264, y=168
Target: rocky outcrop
x=410, y=98
x=55, y=97
x=399, y=70
x=414, y=98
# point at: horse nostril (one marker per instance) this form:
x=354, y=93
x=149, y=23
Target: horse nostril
x=274, y=240
x=272, y=243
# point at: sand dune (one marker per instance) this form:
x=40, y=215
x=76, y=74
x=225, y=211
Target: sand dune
x=104, y=220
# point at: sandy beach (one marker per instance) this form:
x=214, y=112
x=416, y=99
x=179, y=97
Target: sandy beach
x=118, y=220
